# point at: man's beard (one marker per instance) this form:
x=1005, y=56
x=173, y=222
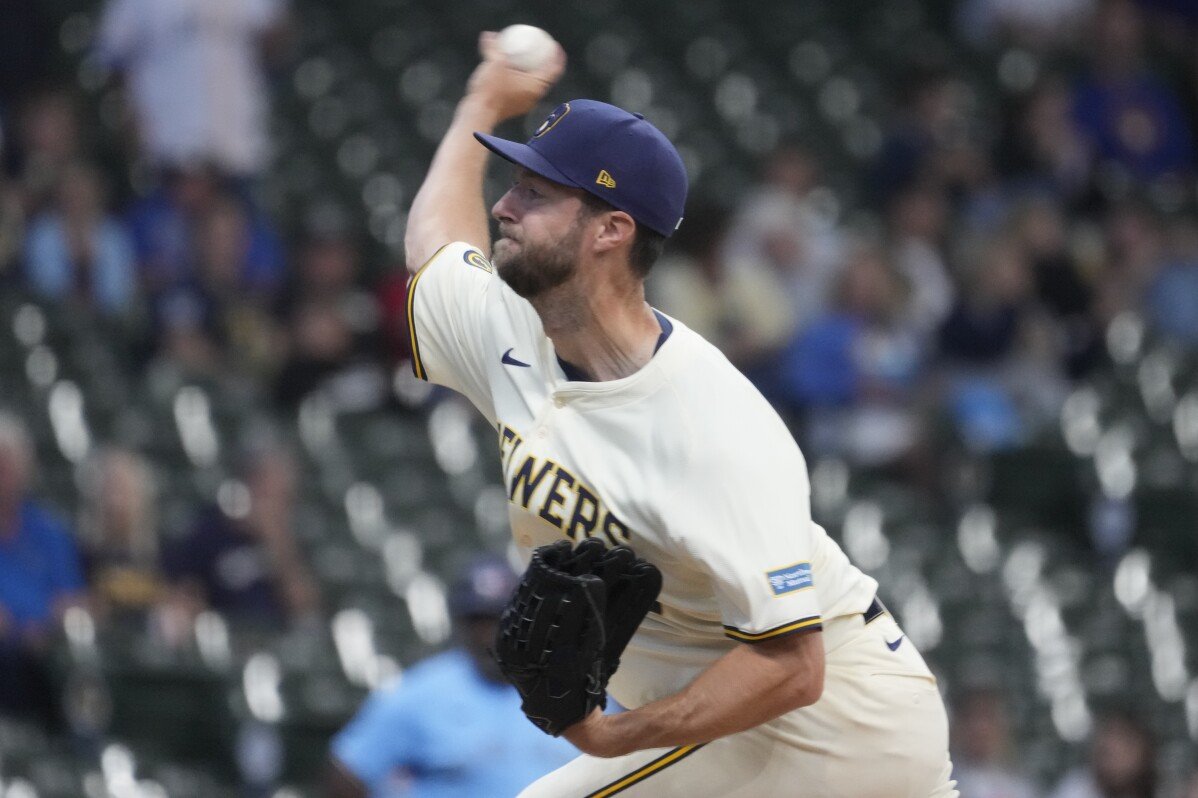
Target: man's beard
x=540, y=268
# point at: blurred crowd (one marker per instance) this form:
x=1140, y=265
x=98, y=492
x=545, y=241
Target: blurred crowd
x=958, y=305
x=998, y=245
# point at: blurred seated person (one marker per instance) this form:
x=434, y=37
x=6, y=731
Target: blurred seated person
x=1170, y=303
x=1040, y=229
x=452, y=726
x=167, y=224
x=76, y=253
x=1042, y=147
x=241, y=557
x=118, y=522
x=1038, y=25
x=917, y=219
x=1000, y=352
x=983, y=761
x=40, y=579
x=855, y=373
x=782, y=225
x=333, y=324
x=47, y=141
x=934, y=140
x=1122, y=761
x=218, y=319
x=1134, y=117
x=739, y=305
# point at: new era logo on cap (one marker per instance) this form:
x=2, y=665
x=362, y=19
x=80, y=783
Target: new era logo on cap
x=586, y=143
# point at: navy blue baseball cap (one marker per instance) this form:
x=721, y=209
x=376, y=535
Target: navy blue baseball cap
x=483, y=589
x=616, y=155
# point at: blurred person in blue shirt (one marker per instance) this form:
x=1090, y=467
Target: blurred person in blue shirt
x=452, y=726
x=1133, y=117
x=75, y=252
x=985, y=763
x=40, y=579
x=1170, y=297
x=855, y=374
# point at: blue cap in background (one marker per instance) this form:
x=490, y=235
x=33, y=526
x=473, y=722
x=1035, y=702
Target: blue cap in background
x=606, y=151
x=483, y=589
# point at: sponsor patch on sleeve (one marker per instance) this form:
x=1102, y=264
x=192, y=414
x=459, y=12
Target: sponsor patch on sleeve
x=791, y=578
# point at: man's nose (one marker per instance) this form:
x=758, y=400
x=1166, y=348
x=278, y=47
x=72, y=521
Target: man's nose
x=503, y=210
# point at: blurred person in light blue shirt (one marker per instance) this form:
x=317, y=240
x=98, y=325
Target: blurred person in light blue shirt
x=76, y=251
x=451, y=726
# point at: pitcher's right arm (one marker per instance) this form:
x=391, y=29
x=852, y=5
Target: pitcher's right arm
x=450, y=205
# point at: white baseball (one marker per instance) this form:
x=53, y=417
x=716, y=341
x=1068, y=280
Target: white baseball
x=526, y=47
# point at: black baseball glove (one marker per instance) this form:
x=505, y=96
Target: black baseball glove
x=561, y=636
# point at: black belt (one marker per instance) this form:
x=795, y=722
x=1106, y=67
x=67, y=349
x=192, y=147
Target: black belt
x=876, y=608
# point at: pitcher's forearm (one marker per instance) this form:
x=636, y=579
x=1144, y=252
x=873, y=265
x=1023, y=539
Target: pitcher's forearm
x=748, y=686
x=450, y=206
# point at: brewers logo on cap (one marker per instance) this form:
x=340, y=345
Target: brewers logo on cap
x=550, y=121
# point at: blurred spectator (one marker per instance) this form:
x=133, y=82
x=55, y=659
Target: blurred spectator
x=1172, y=300
x=167, y=224
x=857, y=370
x=1039, y=228
x=194, y=77
x=1134, y=119
x=241, y=557
x=1043, y=148
x=739, y=306
x=453, y=725
x=782, y=225
x=983, y=759
x=933, y=141
x=219, y=318
x=918, y=219
x=39, y=579
x=333, y=326
x=49, y=142
x=984, y=325
x=1035, y=24
x=12, y=226
x=76, y=253
x=1122, y=761
x=119, y=526
x=1134, y=252
x=393, y=303
x=1001, y=359
x=1190, y=790
x=26, y=46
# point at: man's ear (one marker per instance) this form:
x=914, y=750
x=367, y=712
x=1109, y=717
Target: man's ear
x=618, y=230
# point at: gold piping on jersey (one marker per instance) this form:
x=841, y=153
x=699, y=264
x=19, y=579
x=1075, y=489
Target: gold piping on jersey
x=645, y=771
x=417, y=365
x=813, y=623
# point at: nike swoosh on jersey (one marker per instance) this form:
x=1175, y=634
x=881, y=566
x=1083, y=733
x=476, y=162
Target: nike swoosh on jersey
x=508, y=360
x=894, y=646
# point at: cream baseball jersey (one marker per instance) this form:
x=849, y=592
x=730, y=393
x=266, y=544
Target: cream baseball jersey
x=683, y=460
